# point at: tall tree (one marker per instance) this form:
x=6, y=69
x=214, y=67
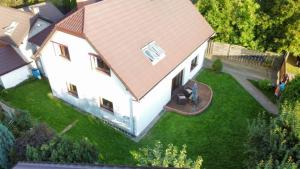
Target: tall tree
x=279, y=25
x=234, y=21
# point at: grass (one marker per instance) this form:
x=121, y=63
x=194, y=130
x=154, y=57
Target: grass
x=218, y=134
x=291, y=66
x=268, y=93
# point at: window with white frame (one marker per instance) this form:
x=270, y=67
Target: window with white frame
x=99, y=64
x=153, y=52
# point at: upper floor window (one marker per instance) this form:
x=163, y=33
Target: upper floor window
x=64, y=51
x=72, y=89
x=100, y=65
x=194, y=63
x=106, y=104
x=154, y=52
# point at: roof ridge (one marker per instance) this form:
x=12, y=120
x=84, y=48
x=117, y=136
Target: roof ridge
x=83, y=20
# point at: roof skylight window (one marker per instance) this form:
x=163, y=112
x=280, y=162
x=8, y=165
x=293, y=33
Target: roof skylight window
x=9, y=30
x=153, y=52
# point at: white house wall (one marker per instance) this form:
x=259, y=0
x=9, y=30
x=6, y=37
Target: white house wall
x=91, y=84
x=153, y=103
x=15, y=77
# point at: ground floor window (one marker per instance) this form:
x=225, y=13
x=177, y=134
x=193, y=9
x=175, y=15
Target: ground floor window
x=106, y=104
x=194, y=63
x=72, y=89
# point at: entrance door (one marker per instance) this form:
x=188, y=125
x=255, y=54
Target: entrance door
x=177, y=81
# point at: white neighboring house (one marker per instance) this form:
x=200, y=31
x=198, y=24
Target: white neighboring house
x=120, y=60
x=17, y=27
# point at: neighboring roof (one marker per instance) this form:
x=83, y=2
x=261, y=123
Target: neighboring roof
x=9, y=59
x=28, y=165
x=119, y=29
x=23, y=20
x=45, y=10
x=40, y=37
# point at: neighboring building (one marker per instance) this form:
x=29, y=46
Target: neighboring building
x=120, y=60
x=16, y=28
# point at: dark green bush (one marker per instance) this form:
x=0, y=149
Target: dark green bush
x=6, y=143
x=265, y=84
x=64, y=150
x=217, y=65
x=37, y=136
x=291, y=95
x=19, y=124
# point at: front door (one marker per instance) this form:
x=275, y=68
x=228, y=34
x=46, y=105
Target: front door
x=177, y=81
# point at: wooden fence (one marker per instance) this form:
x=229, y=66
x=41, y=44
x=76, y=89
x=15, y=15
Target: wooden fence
x=268, y=63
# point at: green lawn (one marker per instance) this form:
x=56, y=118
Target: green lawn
x=218, y=134
x=291, y=66
x=268, y=93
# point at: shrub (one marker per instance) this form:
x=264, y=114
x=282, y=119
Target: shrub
x=257, y=144
x=217, y=65
x=6, y=143
x=170, y=157
x=64, y=150
x=290, y=102
x=36, y=137
x=292, y=93
x=19, y=124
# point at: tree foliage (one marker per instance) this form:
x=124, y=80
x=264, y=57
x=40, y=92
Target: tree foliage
x=65, y=5
x=170, y=157
x=39, y=135
x=64, y=150
x=275, y=144
x=6, y=143
x=234, y=21
x=18, y=124
x=259, y=25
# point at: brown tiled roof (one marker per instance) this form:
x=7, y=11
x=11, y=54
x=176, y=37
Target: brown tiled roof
x=119, y=29
x=40, y=37
x=74, y=23
x=24, y=20
x=9, y=59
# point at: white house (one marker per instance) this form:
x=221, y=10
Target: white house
x=17, y=27
x=120, y=60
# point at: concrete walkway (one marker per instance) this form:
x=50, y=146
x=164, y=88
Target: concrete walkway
x=241, y=75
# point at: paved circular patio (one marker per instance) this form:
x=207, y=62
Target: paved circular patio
x=205, y=97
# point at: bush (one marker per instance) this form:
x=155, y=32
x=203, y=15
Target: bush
x=171, y=157
x=217, y=65
x=64, y=150
x=36, y=137
x=275, y=141
x=292, y=93
x=19, y=124
x=6, y=143
x=265, y=84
